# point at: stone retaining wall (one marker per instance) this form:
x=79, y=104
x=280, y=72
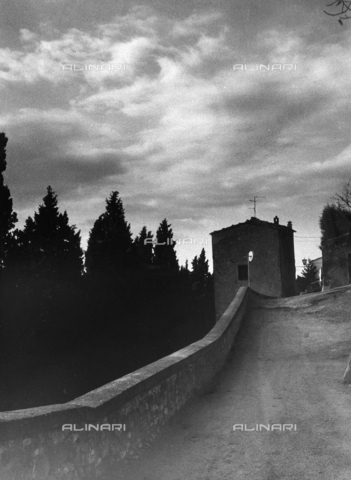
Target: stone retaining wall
x=123, y=415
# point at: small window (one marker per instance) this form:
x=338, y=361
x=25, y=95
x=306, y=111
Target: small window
x=242, y=272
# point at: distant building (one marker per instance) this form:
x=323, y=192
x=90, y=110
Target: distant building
x=318, y=263
x=336, y=253
x=272, y=270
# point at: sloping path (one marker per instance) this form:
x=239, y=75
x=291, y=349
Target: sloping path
x=286, y=368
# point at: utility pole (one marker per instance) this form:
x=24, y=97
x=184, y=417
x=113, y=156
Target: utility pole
x=254, y=202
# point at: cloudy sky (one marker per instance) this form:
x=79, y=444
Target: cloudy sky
x=143, y=98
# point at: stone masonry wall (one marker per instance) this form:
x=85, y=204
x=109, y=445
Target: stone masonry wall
x=34, y=446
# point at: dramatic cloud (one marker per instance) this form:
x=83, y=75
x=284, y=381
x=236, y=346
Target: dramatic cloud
x=146, y=101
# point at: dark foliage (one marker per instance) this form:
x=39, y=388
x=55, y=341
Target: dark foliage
x=201, y=278
x=144, y=247
x=164, y=253
x=8, y=217
x=64, y=331
x=334, y=221
x=110, y=246
x=48, y=247
x=309, y=275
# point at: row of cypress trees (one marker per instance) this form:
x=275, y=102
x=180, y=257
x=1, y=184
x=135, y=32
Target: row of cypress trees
x=48, y=244
x=122, y=295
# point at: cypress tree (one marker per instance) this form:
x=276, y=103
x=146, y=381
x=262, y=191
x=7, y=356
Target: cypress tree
x=48, y=245
x=308, y=275
x=164, y=253
x=110, y=246
x=200, y=272
x=8, y=217
x=144, y=246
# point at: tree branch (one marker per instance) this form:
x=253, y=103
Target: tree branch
x=345, y=9
x=343, y=199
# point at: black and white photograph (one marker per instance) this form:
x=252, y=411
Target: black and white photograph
x=175, y=240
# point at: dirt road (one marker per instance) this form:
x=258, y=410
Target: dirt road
x=286, y=368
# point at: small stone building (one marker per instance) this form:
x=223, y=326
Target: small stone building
x=272, y=270
x=336, y=254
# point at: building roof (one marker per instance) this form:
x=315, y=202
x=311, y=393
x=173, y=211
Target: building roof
x=258, y=222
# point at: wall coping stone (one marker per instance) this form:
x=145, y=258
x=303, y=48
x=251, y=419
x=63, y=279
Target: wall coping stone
x=113, y=395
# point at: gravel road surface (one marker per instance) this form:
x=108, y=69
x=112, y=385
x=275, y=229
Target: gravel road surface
x=286, y=368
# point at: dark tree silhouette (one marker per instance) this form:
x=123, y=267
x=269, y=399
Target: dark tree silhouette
x=110, y=246
x=200, y=274
x=308, y=275
x=53, y=315
x=144, y=246
x=185, y=277
x=48, y=245
x=334, y=221
x=343, y=199
x=164, y=253
x=185, y=269
x=8, y=217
